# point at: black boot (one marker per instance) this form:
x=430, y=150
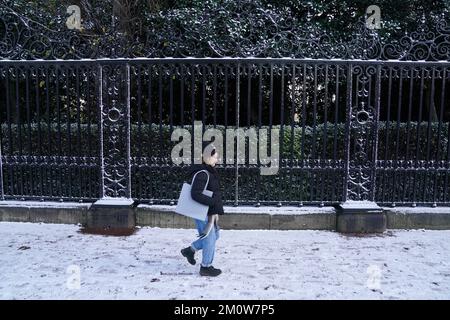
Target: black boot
x=209, y=271
x=189, y=254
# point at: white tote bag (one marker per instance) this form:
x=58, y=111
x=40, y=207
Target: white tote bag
x=188, y=206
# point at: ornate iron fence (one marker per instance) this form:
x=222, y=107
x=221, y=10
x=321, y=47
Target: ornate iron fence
x=358, y=121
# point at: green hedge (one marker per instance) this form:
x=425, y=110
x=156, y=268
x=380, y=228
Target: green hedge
x=154, y=140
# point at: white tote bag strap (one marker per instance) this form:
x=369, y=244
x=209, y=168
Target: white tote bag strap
x=209, y=227
x=207, y=181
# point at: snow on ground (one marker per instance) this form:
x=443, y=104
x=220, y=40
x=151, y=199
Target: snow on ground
x=41, y=261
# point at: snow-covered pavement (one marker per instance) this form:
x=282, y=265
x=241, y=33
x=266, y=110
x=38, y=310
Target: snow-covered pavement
x=50, y=261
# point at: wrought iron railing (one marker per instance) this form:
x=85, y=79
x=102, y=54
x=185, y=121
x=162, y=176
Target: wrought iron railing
x=390, y=147
x=358, y=121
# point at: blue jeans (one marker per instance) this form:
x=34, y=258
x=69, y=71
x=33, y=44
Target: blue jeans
x=208, y=244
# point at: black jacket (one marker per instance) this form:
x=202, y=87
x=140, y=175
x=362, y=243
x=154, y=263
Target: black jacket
x=215, y=203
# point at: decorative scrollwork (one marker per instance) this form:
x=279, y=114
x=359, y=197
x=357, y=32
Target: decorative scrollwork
x=116, y=162
x=359, y=185
x=245, y=28
x=362, y=123
x=422, y=44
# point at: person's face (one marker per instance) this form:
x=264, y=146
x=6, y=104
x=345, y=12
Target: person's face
x=212, y=160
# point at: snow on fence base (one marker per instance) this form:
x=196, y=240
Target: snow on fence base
x=360, y=217
x=110, y=214
x=242, y=217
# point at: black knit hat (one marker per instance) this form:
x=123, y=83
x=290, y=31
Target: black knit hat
x=205, y=144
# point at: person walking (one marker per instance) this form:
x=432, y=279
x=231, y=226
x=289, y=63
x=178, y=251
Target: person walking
x=209, y=228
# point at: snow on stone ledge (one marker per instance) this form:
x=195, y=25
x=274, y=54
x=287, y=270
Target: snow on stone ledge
x=288, y=210
x=350, y=204
x=114, y=202
x=43, y=204
x=417, y=210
